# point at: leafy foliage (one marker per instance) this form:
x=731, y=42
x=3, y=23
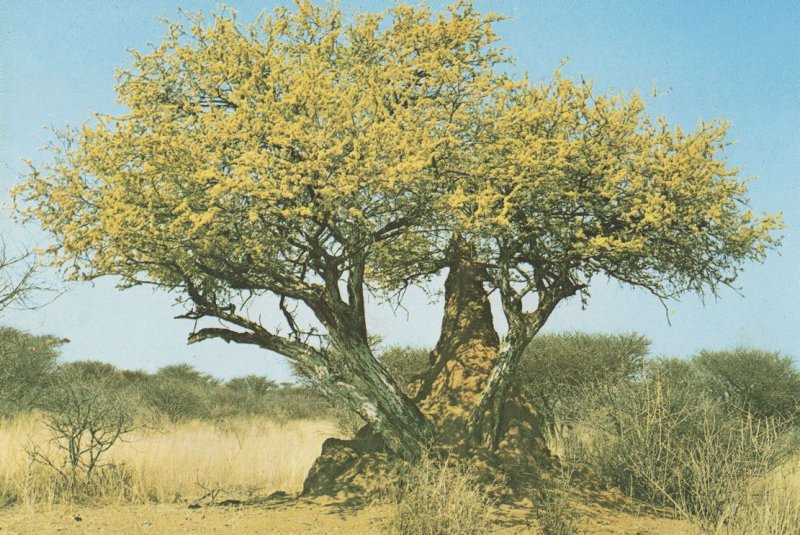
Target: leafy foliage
x=181, y=393
x=311, y=130
x=304, y=161
x=761, y=383
x=26, y=364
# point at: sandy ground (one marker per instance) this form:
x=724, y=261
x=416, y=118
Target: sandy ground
x=287, y=517
x=262, y=455
x=301, y=517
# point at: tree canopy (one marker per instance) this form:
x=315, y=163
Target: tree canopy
x=313, y=159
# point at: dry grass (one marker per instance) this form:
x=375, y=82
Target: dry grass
x=254, y=457
x=181, y=462
x=772, y=506
x=436, y=497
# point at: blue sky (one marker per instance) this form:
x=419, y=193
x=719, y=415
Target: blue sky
x=735, y=60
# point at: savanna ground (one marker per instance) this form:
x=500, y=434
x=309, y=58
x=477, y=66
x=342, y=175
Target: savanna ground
x=231, y=471
x=644, y=445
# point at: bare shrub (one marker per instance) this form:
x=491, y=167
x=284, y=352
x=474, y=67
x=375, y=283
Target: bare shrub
x=440, y=497
x=86, y=417
x=665, y=441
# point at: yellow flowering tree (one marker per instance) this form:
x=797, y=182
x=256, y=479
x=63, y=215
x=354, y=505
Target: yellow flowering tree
x=568, y=185
x=274, y=175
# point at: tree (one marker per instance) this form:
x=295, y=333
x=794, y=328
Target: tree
x=304, y=162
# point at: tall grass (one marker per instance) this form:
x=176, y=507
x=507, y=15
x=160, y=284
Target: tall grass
x=772, y=506
x=181, y=462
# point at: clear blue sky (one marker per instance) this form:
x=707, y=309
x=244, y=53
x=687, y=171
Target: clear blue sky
x=736, y=60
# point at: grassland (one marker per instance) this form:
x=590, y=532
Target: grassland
x=230, y=468
x=180, y=462
x=647, y=446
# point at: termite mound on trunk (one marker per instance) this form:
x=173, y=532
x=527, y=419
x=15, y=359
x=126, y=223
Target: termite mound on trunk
x=447, y=393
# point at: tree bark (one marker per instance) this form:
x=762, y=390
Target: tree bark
x=392, y=414
x=485, y=425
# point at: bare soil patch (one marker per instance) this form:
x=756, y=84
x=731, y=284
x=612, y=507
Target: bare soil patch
x=319, y=515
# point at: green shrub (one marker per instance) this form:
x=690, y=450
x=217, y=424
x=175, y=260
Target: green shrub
x=179, y=392
x=176, y=399
x=26, y=364
x=292, y=402
x=93, y=370
x=134, y=377
x=253, y=385
x=760, y=383
x=185, y=373
x=558, y=371
x=243, y=396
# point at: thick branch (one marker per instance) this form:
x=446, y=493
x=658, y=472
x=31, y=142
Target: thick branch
x=522, y=327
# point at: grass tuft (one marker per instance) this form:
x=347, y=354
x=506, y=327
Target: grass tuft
x=440, y=497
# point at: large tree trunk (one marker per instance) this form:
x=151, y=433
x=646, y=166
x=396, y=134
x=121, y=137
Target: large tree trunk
x=390, y=412
x=446, y=394
x=462, y=363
